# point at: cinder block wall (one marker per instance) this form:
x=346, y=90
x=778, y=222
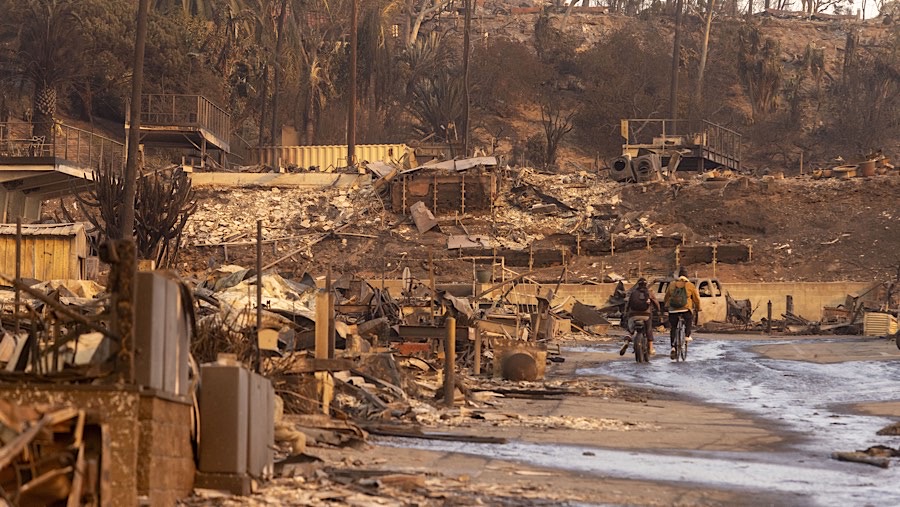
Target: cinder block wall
x=166, y=465
x=150, y=448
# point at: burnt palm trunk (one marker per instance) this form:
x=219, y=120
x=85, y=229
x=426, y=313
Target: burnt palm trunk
x=134, y=132
x=276, y=81
x=44, y=103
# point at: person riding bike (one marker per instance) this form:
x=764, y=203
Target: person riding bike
x=682, y=300
x=639, y=307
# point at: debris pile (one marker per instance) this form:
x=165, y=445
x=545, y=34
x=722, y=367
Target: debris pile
x=871, y=165
x=50, y=455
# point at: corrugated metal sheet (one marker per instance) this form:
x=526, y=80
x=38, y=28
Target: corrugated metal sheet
x=879, y=324
x=43, y=229
x=460, y=165
x=327, y=157
x=49, y=252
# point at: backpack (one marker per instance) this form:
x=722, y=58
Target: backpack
x=639, y=299
x=679, y=297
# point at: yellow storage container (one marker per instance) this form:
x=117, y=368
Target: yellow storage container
x=327, y=158
x=879, y=324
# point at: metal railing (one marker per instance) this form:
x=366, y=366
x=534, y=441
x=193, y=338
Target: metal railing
x=77, y=146
x=721, y=145
x=715, y=142
x=193, y=111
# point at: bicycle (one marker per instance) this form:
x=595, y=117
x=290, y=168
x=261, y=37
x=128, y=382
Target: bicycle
x=680, y=342
x=641, y=344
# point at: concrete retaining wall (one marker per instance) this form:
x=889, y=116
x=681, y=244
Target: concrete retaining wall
x=283, y=180
x=809, y=297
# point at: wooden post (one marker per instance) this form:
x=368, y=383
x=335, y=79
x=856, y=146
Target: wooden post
x=789, y=304
x=432, y=283
x=715, y=254
x=434, y=189
x=351, y=108
x=121, y=257
x=259, y=282
x=325, y=390
x=462, y=192
x=329, y=291
x=321, y=325
x=769, y=318
x=449, y=361
x=18, y=273
x=402, y=198
x=476, y=368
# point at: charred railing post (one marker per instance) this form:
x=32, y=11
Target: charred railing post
x=120, y=255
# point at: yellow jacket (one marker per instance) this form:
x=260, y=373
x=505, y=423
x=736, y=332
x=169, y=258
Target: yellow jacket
x=693, y=297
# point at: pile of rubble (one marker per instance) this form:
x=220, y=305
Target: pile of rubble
x=285, y=214
x=49, y=455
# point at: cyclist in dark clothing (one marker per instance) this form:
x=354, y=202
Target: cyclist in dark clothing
x=640, y=306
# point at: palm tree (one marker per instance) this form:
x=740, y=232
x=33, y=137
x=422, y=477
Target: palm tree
x=47, y=51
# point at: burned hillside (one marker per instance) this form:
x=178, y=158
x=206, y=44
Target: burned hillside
x=797, y=228
x=445, y=252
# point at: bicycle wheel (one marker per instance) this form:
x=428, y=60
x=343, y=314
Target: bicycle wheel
x=680, y=344
x=640, y=348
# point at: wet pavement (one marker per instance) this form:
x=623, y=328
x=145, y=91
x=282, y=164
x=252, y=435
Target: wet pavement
x=807, y=400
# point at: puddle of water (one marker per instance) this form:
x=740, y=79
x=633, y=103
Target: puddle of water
x=825, y=484
x=799, y=397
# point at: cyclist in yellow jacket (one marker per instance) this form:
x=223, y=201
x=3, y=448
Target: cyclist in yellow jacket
x=682, y=300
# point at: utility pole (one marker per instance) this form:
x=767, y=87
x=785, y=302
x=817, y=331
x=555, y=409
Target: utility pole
x=279, y=37
x=466, y=35
x=126, y=212
x=351, y=108
x=676, y=59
